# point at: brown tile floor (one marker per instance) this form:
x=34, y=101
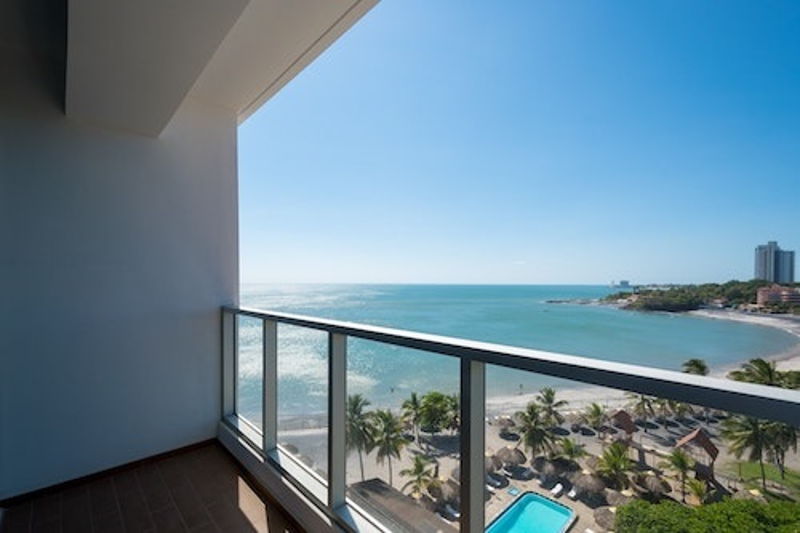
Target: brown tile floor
x=197, y=491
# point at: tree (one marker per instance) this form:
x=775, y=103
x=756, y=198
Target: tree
x=615, y=464
x=594, y=416
x=758, y=371
x=699, y=489
x=550, y=406
x=747, y=435
x=421, y=474
x=359, y=430
x=435, y=409
x=695, y=366
x=570, y=450
x=388, y=439
x=680, y=462
x=412, y=409
x=453, y=416
x=642, y=406
x=781, y=438
x=534, y=430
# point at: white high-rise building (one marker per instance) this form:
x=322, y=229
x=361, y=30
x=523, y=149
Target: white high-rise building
x=774, y=264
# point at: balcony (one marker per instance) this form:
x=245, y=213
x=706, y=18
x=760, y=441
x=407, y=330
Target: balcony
x=470, y=494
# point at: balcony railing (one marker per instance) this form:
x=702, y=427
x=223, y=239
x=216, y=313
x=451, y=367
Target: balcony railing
x=329, y=493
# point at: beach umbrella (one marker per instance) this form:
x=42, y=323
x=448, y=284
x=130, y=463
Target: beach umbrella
x=445, y=491
x=512, y=456
x=505, y=422
x=551, y=469
x=617, y=498
x=654, y=485
x=493, y=464
x=606, y=517
x=752, y=494
x=590, y=483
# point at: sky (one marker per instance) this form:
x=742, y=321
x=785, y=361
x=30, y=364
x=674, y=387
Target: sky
x=530, y=142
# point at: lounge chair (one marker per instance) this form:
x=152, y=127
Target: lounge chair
x=557, y=490
x=452, y=512
x=588, y=530
x=573, y=494
x=490, y=489
x=493, y=481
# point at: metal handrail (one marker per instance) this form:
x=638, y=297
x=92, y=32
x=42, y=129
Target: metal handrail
x=743, y=398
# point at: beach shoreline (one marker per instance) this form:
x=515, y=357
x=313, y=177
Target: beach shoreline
x=786, y=360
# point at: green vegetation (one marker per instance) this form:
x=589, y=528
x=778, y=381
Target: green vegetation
x=359, y=430
x=765, y=372
x=680, y=462
x=690, y=297
x=615, y=465
x=729, y=516
x=533, y=427
x=388, y=439
x=421, y=474
x=750, y=473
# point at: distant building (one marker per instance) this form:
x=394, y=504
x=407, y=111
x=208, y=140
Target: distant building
x=777, y=294
x=774, y=264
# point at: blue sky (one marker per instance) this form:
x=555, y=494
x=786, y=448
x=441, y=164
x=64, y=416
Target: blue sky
x=530, y=142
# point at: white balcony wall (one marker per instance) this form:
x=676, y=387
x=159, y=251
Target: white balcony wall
x=116, y=252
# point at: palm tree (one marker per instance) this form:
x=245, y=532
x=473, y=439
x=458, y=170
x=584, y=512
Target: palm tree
x=534, y=430
x=615, y=464
x=571, y=450
x=388, y=440
x=594, y=416
x=748, y=435
x=782, y=438
x=680, y=462
x=434, y=410
x=412, y=410
x=758, y=371
x=421, y=474
x=642, y=406
x=550, y=406
x=698, y=488
x=359, y=430
x=453, y=417
x=695, y=366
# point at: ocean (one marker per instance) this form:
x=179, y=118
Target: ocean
x=505, y=314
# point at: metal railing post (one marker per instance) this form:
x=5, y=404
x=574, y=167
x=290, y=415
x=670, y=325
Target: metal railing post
x=473, y=445
x=228, y=363
x=337, y=406
x=270, y=384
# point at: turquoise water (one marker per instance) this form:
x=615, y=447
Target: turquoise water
x=531, y=513
x=513, y=315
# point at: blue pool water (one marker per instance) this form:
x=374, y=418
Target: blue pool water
x=531, y=513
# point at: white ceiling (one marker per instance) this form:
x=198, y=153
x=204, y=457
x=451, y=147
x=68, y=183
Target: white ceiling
x=131, y=64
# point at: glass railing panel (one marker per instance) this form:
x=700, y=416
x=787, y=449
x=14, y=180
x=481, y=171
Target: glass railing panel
x=303, y=396
x=605, y=458
x=403, y=436
x=249, y=370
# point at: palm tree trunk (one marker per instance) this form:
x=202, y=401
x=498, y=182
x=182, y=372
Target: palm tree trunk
x=390, y=471
x=683, y=488
x=361, y=462
x=763, y=474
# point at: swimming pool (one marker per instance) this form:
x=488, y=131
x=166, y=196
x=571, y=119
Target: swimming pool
x=532, y=513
